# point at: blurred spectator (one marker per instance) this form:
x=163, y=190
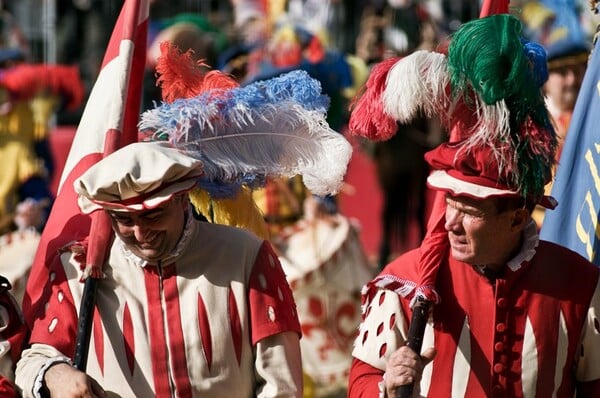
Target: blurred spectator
x=11, y=34
x=187, y=31
x=557, y=25
x=326, y=267
x=29, y=96
x=82, y=32
x=281, y=202
x=394, y=31
x=13, y=333
x=24, y=191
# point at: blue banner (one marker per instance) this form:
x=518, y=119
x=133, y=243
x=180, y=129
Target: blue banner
x=574, y=223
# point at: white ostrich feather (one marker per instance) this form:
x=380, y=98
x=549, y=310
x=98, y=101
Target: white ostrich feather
x=417, y=83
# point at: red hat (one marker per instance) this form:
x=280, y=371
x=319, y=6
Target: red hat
x=474, y=172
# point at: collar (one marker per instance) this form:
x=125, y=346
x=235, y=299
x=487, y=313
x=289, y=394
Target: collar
x=526, y=253
x=531, y=240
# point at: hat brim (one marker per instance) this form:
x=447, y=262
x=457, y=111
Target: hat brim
x=568, y=60
x=442, y=181
x=88, y=206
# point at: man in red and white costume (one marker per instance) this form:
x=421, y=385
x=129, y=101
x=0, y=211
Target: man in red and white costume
x=518, y=317
x=186, y=308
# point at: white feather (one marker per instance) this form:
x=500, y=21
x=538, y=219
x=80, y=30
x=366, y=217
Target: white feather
x=417, y=83
x=491, y=126
x=283, y=139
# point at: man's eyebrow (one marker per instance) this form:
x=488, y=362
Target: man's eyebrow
x=151, y=212
x=116, y=214
x=146, y=213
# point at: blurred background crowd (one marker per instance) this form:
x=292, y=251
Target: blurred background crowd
x=51, y=52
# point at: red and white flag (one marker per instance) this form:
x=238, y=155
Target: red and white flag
x=109, y=121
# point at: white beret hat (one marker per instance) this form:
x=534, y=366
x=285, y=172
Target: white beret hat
x=136, y=177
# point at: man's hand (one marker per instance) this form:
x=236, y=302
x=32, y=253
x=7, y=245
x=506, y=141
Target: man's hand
x=405, y=367
x=63, y=380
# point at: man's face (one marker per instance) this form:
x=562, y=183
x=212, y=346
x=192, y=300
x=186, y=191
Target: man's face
x=151, y=234
x=478, y=233
x=563, y=85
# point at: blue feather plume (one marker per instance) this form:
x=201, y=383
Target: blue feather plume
x=537, y=56
x=275, y=127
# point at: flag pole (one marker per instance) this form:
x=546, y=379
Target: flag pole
x=84, y=326
x=416, y=331
x=122, y=133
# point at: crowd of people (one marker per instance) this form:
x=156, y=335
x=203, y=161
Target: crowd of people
x=231, y=270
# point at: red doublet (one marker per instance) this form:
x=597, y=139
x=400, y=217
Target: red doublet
x=531, y=332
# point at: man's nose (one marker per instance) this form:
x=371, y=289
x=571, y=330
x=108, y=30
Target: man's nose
x=571, y=76
x=140, y=232
x=453, y=218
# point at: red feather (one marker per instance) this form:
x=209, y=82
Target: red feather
x=217, y=80
x=368, y=119
x=182, y=77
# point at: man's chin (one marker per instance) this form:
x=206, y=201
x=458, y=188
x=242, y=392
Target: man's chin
x=461, y=256
x=149, y=255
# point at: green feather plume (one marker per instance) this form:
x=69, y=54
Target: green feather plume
x=487, y=56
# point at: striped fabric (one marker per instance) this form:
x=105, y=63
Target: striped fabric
x=532, y=333
x=194, y=328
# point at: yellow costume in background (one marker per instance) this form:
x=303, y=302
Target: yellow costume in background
x=238, y=212
x=29, y=95
x=19, y=162
x=281, y=202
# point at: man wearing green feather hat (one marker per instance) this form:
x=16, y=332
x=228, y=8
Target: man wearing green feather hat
x=513, y=316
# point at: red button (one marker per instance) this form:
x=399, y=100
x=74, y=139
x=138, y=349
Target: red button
x=500, y=327
x=498, y=347
x=497, y=391
x=502, y=303
x=498, y=368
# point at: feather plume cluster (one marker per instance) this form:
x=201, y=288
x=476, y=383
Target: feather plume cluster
x=275, y=127
x=487, y=91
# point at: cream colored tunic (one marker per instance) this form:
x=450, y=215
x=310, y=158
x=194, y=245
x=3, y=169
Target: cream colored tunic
x=217, y=320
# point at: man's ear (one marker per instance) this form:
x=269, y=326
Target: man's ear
x=520, y=218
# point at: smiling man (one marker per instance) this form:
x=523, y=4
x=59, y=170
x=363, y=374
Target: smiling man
x=186, y=308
